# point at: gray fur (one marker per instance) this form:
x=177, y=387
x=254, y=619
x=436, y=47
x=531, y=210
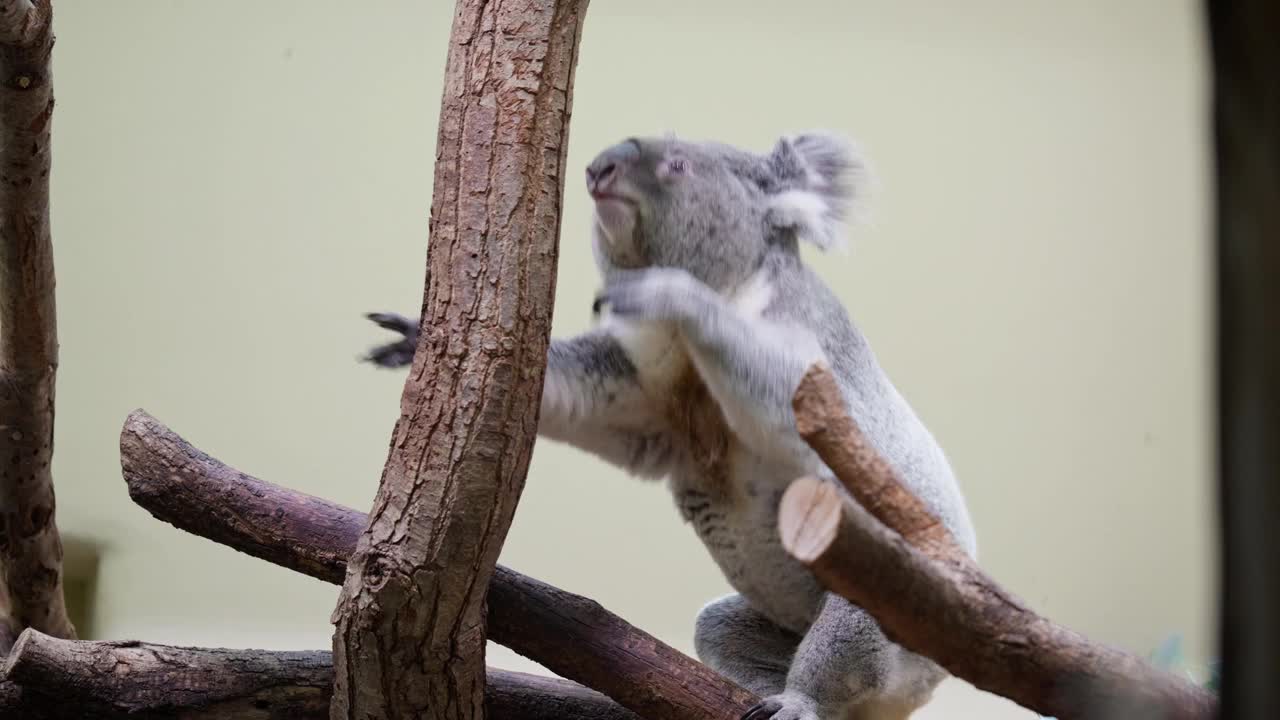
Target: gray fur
x=698, y=247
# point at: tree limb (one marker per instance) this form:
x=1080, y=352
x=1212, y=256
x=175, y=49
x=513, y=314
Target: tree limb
x=30, y=550
x=569, y=634
x=409, y=624
x=932, y=598
x=51, y=679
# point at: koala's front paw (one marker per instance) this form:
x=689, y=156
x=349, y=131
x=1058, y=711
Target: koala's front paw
x=652, y=294
x=784, y=706
x=400, y=352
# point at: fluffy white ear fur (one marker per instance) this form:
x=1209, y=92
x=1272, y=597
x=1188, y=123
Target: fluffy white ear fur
x=824, y=184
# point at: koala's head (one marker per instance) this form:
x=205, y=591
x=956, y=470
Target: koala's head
x=715, y=210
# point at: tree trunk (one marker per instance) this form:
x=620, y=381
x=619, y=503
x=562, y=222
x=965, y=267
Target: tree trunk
x=30, y=550
x=1245, y=38
x=50, y=679
x=409, y=638
x=571, y=635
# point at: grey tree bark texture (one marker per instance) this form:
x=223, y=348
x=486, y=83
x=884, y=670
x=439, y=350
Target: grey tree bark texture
x=30, y=549
x=45, y=678
x=568, y=634
x=409, y=637
x=884, y=551
x=1246, y=116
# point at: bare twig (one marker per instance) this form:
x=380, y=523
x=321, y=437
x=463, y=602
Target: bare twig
x=567, y=633
x=898, y=563
x=47, y=679
x=30, y=550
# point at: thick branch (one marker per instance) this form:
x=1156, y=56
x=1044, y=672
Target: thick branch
x=51, y=679
x=409, y=636
x=30, y=551
x=569, y=634
x=889, y=556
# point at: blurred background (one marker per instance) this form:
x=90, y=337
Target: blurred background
x=235, y=184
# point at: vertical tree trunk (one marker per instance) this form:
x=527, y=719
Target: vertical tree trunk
x=30, y=551
x=409, y=637
x=1246, y=58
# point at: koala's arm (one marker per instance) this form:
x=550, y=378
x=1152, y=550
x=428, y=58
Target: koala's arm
x=751, y=364
x=591, y=397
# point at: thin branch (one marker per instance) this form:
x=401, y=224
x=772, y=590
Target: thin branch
x=932, y=598
x=570, y=635
x=47, y=679
x=30, y=549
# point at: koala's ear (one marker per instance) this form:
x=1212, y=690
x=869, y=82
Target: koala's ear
x=820, y=178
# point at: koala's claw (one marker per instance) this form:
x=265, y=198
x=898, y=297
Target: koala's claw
x=763, y=709
x=392, y=321
x=651, y=294
x=398, y=353
x=786, y=706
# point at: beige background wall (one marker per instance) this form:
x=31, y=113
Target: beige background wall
x=235, y=183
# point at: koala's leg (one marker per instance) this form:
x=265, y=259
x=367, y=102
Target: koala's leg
x=845, y=667
x=591, y=398
x=743, y=645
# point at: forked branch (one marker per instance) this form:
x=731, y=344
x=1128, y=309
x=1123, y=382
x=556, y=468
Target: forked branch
x=893, y=558
x=571, y=635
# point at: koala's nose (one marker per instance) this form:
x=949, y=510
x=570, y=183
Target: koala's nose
x=602, y=171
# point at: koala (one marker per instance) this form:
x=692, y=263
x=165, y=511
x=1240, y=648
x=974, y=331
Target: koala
x=708, y=319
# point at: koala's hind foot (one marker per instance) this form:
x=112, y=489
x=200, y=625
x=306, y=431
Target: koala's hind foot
x=738, y=642
x=398, y=353
x=844, y=668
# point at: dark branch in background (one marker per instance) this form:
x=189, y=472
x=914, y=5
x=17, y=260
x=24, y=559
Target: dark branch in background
x=409, y=633
x=50, y=679
x=1245, y=37
x=30, y=550
x=891, y=558
x=570, y=635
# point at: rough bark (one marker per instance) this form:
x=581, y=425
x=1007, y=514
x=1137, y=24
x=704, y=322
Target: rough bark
x=932, y=598
x=409, y=636
x=1246, y=89
x=30, y=550
x=569, y=634
x=51, y=679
